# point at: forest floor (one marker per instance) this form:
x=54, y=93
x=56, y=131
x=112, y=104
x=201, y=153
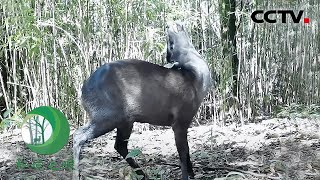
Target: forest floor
x=277, y=148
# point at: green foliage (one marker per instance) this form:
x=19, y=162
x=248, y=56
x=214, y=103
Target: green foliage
x=134, y=153
x=156, y=173
x=24, y=33
x=15, y=120
x=7, y=112
x=298, y=110
x=135, y=176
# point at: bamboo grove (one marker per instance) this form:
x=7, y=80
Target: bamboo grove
x=48, y=48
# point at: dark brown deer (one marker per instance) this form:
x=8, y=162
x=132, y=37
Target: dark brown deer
x=126, y=91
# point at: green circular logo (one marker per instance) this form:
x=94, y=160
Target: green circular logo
x=45, y=130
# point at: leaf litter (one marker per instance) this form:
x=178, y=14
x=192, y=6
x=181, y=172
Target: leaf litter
x=277, y=148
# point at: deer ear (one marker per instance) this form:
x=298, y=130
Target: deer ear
x=181, y=25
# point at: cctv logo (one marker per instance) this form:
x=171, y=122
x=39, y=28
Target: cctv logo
x=261, y=16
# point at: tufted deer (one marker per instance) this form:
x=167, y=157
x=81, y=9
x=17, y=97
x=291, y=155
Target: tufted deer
x=126, y=91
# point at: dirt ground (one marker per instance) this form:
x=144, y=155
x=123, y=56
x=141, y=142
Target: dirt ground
x=285, y=148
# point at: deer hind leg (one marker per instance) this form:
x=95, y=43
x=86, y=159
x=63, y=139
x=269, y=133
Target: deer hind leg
x=121, y=145
x=93, y=129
